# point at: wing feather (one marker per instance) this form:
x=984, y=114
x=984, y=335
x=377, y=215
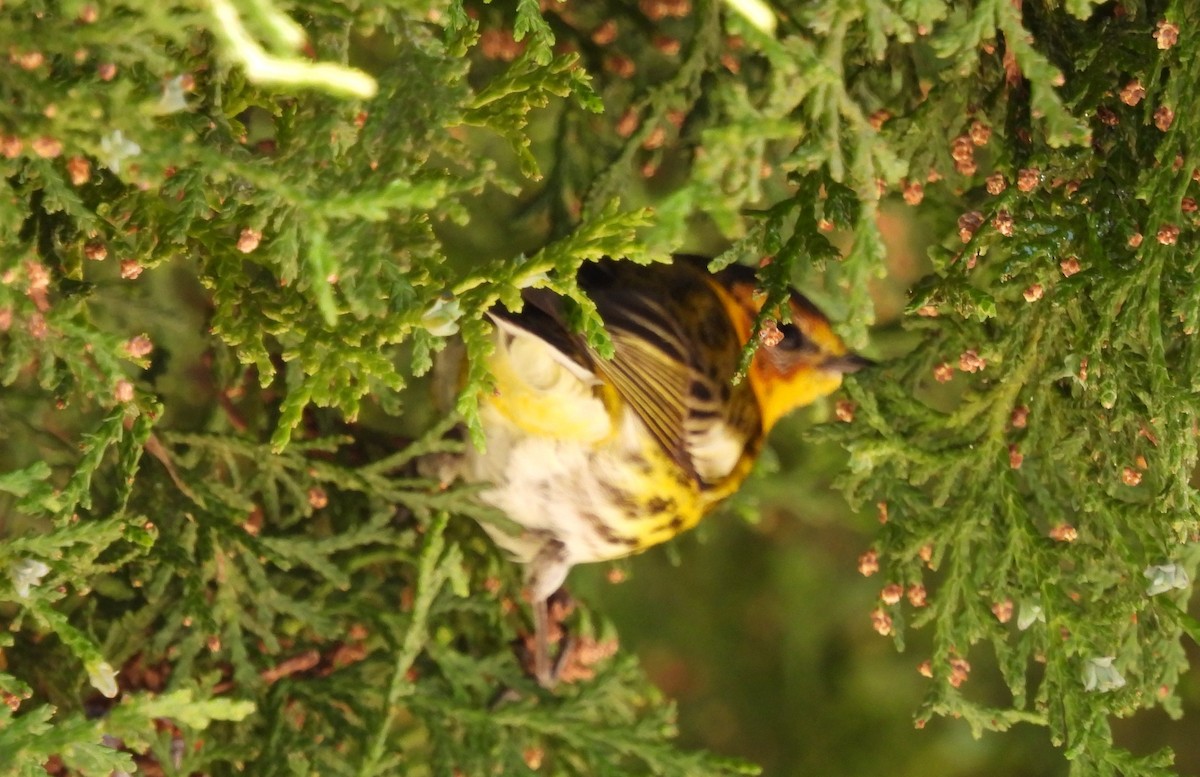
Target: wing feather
x=672, y=361
x=655, y=386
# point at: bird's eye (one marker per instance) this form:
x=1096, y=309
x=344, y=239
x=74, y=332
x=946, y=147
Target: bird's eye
x=793, y=338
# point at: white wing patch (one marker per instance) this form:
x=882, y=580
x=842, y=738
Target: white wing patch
x=715, y=450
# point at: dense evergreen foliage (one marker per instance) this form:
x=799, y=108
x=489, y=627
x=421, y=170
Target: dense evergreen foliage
x=236, y=231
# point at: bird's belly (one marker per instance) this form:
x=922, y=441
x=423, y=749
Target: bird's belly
x=600, y=499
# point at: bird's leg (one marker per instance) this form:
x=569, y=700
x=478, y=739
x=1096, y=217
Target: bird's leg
x=543, y=576
x=560, y=606
x=549, y=627
x=541, y=644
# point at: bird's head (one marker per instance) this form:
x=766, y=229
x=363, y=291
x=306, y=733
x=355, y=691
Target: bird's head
x=798, y=361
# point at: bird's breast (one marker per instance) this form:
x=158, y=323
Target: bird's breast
x=600, y=500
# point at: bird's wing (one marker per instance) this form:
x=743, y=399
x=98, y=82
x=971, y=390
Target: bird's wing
x=655, y=385
x=675, y=354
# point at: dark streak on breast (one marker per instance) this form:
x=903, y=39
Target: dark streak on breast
x=661, y=505
x=606, y=532
x=620, y=498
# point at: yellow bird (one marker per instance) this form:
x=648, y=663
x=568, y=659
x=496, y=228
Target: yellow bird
x=600, y=458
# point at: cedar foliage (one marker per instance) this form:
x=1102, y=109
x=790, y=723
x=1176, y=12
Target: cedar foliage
x=232, y=227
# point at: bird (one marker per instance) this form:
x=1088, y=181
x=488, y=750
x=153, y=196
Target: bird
x=598, y=458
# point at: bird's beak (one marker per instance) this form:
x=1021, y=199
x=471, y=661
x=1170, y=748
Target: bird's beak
x=850, y=362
